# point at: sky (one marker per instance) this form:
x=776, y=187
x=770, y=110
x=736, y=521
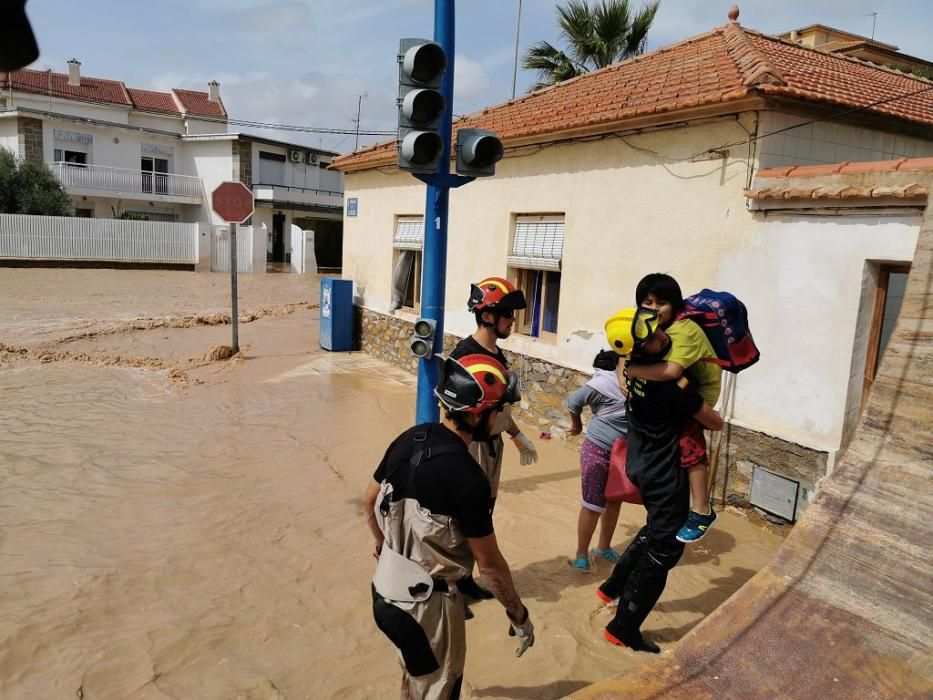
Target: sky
x=307, y=62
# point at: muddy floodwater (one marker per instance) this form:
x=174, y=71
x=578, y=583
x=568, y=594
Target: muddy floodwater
x=173, y=525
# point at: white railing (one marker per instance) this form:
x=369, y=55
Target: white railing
x=73, y=238
x=102, y=177
x=298, y=195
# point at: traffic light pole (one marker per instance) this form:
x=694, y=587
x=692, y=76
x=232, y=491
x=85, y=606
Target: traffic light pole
x=434, y=263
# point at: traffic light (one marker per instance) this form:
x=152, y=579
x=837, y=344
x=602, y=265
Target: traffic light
x=421, y=106
x=478, y=151
x=422, y=338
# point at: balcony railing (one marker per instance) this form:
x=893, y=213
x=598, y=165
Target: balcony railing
x=298, y=195
x=122, y=180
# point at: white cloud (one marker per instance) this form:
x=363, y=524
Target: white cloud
x=282, y=18
x=471, y=81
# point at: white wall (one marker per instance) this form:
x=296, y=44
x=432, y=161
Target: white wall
x=831, y=142
x=212, y=161
x=627, y=212
x=801, y=277
x=630, y=211
x=111, y=113
x=8, y=135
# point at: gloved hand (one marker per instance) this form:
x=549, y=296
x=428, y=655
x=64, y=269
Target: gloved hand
x=526, y=449
x=525, y=633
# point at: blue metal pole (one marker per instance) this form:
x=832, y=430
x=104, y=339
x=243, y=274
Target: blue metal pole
x=434, y=264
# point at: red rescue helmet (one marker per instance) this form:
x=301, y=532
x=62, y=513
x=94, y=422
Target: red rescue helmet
x=474, y=383
x=496, y=293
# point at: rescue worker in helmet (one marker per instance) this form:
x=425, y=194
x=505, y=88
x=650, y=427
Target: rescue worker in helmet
x=493, y=301
x=428, y=509
x=656, y=412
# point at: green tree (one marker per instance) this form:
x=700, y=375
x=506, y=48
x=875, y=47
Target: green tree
x=920, y=71
x=27, y=187
x=597, y=34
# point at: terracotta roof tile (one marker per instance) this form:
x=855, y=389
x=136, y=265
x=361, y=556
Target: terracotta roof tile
x=847, y=168
x=56, y=84
x=151, y=101
x=198, y=104
x=722, y=65
x=104, y=91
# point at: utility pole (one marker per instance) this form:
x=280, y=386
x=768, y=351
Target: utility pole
x=518, y=28
x=359, y=108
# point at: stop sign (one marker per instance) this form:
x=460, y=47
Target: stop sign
x=232, y=202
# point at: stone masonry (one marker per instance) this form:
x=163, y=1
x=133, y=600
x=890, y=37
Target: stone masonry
x=243, y=163
x=546, y=386
x=29, y=133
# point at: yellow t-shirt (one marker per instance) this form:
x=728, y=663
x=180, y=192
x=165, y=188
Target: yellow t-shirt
x=689, y=345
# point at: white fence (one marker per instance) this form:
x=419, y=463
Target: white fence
x=220, y=249
x=26, y=237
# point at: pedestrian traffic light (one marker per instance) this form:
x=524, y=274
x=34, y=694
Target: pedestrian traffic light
x=478, y=151
x=422, y=338
x=421, y=106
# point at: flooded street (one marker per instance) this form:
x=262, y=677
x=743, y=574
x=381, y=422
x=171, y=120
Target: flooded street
x=174, y=526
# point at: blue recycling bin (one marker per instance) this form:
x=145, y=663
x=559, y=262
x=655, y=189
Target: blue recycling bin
x=336, y=314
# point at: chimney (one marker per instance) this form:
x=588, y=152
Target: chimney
x=213, y=91
x=74, y=72
x=795, y=37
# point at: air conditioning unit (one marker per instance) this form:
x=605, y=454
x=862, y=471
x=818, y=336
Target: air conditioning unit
x=296, y=156
x=312, y=158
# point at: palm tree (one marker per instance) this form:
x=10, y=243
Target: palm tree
x=597, y=35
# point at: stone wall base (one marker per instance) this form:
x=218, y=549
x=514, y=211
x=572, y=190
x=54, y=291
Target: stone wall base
x=546, y=386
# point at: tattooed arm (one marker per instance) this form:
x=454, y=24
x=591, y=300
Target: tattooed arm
x=496, y=575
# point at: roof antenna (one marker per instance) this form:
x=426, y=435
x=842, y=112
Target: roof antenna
x=874, y=21
x=734, y=13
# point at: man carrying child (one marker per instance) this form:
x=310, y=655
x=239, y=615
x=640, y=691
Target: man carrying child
x=657, y=412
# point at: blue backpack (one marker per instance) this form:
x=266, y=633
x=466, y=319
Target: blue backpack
x=724, y=319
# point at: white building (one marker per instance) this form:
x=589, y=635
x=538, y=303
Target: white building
x=643, y=167
x=158, y=155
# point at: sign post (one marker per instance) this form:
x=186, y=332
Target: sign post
x=233, y=203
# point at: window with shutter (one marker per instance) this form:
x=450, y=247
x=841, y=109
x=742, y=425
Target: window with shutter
x=537, y=252
x=409, y=233
x=407, y=243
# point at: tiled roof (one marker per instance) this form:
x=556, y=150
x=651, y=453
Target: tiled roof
x=721, y=66
x=797, y=183
x=46, y=82
x=103, y=91
x=197, y=103
x=151, y=101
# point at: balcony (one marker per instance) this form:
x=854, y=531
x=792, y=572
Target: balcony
x=103, y=181
x=298, y=197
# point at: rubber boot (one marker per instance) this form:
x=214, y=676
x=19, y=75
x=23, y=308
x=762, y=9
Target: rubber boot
x=641, y=593
x=612, y=587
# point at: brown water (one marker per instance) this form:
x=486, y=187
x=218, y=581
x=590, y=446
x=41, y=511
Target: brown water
x=175, y=527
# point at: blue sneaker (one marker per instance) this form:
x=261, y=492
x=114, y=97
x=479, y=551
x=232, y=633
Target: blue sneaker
x=610, y=555
x=696, y=526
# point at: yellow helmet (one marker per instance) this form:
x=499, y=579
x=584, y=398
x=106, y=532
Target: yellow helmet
x=629, y=328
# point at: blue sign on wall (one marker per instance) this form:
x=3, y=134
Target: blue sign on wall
x=351, y=206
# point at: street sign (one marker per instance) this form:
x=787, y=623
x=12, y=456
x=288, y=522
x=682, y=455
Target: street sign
x=232, y=202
